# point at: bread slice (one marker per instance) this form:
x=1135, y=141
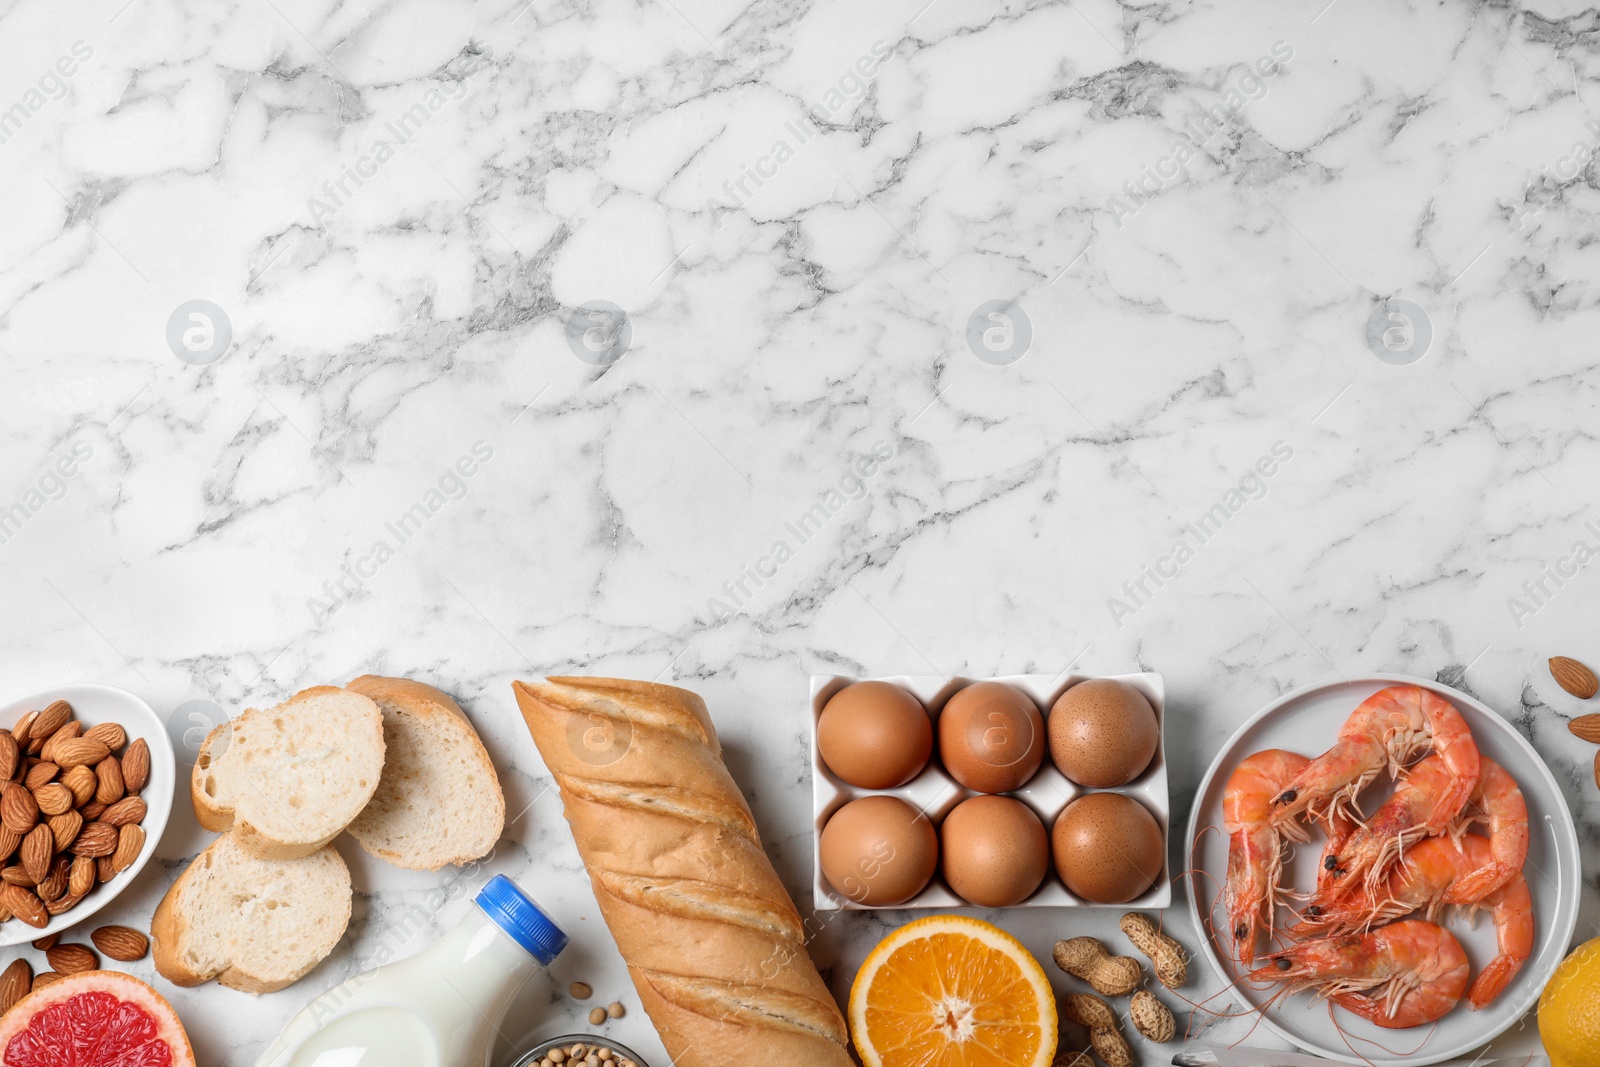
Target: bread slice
x=287, y=780
x=252, y=924
x=439, y=800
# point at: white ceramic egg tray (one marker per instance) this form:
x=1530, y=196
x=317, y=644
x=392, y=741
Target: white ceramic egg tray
x=1048, y=793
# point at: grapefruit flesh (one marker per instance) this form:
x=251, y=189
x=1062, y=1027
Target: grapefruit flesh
x=94, y=1019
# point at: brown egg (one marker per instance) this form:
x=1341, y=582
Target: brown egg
x=879, y=851
x=994, y=851
x=875, y=735
x=991, y=737
x=1107, y=848
x=1103, y=733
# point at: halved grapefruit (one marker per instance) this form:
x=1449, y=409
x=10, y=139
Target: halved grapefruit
x=94, y=1019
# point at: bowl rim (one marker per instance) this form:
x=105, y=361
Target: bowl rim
x=159, y=810
x=528, y=1058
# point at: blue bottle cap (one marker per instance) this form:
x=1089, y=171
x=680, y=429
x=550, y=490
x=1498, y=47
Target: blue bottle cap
x=514, y=912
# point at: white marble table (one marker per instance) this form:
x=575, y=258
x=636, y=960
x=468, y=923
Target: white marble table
x=391, y=209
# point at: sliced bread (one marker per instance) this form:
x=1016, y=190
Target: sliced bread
x=287, y=780
x=439, y=800
x=252, y=924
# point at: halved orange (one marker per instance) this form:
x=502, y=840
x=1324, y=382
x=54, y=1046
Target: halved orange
x=950, y=991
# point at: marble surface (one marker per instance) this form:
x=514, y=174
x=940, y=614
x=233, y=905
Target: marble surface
x=1196, y=214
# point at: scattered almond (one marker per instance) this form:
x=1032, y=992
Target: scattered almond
x=109, y=734
x=45, y=942
x=45, y=978
x=15, y=983
x=72, y=959
x=136, y=766
x=1574, y=677
x=1586, y=727
x=121, y=943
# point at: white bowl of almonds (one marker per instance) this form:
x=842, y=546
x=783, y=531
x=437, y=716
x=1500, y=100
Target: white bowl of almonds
x=86, y=780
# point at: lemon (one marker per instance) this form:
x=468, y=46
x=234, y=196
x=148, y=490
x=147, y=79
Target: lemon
x=1569, y=1010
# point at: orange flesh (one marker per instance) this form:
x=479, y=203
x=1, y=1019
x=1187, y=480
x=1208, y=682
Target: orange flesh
x=952, y=1001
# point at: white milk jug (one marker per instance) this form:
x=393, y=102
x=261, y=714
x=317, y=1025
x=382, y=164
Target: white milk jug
x=439, y=1008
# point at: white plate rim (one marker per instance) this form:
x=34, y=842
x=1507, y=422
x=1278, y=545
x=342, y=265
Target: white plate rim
x=159, y=804
x=1565, y=924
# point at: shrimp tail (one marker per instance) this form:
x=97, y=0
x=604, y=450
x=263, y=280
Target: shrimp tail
x=1493, y=980
x=1480, y=883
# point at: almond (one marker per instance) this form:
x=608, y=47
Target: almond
x=1597, y=770
x=9, y=840
x=50, y=720
x=40, y=775
x=53, y=798
x=136, y=766
x=109, y=734
x=129, y=844
x=92, y=810
x=20, y=732
x=46, y=978
x=24, y=905
x=83, y=782
x=80, y=751
x=125, y=811
x=56, y=884
x=15, y=983
x=95, y=840
x=18, y=810
x=110, y=789
x=45, y=942
x=65, y=827
x=10, y=755
x=72, y=959
x=81, y=877
x=62, y=905
x=15, y=875
x=1586, y=727
x=122, y=943
x=105, y=868
x=1574, y=677
x=59, y=738
x=37, y=850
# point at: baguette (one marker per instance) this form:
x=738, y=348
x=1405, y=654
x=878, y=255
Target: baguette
x=712, y=940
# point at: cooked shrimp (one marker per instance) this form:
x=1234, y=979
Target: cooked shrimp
x=1496, y=803
x=1405, y=974
x=1412, y=813
x=1391, y=728
x=1255, y=846
x=1424, y=881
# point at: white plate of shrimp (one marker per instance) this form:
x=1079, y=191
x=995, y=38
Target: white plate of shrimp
x=1385, y=870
